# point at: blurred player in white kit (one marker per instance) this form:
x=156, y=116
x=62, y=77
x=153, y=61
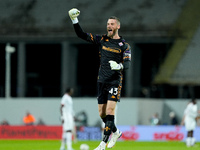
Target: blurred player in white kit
x=67, y=117
x=189, y=119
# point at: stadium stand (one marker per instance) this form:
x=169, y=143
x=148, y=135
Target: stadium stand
x=142, y=21
x=31, y=17
x=187, y=71
x=186, y=26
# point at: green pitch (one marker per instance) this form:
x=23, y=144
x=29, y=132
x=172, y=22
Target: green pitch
x=126, y=145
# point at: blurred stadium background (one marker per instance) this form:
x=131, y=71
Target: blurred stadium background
x=165, y=72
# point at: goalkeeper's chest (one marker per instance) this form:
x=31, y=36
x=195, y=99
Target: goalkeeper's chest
x=112, y=47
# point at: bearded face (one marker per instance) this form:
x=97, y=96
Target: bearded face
x=112, y=28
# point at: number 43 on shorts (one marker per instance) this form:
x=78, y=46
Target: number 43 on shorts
x=113, y=91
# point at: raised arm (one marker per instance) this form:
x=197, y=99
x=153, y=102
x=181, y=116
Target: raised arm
x=73, y=14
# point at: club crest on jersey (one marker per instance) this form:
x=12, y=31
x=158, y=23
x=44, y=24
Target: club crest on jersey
x=120, y=44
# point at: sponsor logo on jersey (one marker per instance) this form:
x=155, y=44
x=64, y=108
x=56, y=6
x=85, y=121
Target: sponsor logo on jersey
x=120, y=44
x=115, y=50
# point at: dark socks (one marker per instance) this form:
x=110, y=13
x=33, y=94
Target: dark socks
x=105, y=119
x=109, y=127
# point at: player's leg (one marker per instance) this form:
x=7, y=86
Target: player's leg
x=188, y=128
x=69, y=139
x=63, y=142
x=109, y=123
x=110, y=113
x=102, y=114
x=113, y=98
x=190, y=125
x=66, y=139
x=107, y=112
x=68, y=127
x=193, y=140
x=102, y=101
x=193, y=126
x=111, y=105
x=102, y=104
x=188, y=139
x=102, y=111
x=74, y=133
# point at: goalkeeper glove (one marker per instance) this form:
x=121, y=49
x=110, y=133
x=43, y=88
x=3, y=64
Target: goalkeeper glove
x=73, y=14
x=115, y=66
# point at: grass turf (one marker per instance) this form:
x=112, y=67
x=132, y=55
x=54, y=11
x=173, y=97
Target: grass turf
x=125, y=145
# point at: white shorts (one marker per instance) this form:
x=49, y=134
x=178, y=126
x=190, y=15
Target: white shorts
x=190, y=123
x=68, y=122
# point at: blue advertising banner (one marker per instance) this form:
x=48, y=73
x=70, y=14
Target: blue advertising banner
x=141, y=133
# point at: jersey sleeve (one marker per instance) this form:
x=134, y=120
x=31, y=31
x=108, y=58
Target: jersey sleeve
x=127, y=56
x=92, y=38
x=62, y=101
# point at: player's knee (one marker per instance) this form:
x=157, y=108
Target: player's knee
x=102, y=115
x=108, y=127
x=110, y=111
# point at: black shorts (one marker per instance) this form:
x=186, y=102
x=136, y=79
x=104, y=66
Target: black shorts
x=107, y=92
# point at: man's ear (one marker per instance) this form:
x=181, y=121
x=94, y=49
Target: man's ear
x=118, y=27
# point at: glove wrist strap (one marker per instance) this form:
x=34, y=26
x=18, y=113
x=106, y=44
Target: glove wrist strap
x=121, y=66
x=75, y=20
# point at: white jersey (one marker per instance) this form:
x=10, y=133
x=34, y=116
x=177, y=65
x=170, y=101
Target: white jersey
x=67, y=111
x=190, y=113
x=68, y=104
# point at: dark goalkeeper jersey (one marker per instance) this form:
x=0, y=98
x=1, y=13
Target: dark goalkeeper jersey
x=109, y=49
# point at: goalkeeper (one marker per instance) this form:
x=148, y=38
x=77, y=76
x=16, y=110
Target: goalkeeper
x=115, y=56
